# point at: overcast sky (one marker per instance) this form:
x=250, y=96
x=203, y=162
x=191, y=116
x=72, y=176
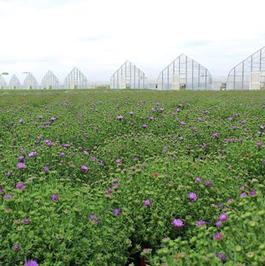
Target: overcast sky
x=99, y=35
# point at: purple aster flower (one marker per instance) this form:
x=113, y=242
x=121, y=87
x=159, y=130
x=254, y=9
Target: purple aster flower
x=55, y=197
x=48, y=142
x=21, y=159
x=221, y=256
x=32, y=154
x=62, y=154
x=116, y=212
x=118, y=161
x=31, y=263
x=218, y=224
x=200, y=223
x=243, y=195
x=178, y=110
x=21, y=166
x=253, y=193
x=84, y=169
x=218, y=236
x=16, y=247
x=108, y=192
x=119, y=117
x=93, y=158
x=208, y=183
x=192, y=196
x=26, y=221
x=223, y=217
x=7, y=196
x=2, y=189
x=66, y=146
x=20, y=186
x=147, y=203
x=93, y=218
x=145, y=126
x=177, y=223
x=46, y=169
x=198, y=179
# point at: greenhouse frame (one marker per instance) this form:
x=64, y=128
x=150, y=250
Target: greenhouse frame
x=2, y=82
x=248, y=74
x=76, y=80
x=128, y=76
x=30, y=82
x=50, y=81
x=184, y=73
x=14, y=82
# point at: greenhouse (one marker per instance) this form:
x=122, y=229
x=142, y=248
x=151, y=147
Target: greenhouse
x=2, y=83
x=248, y=74
x=14, y=83
x=128, y=76
x=50, y=81
x=30, y=82
x=184, y=73
x=76, y=80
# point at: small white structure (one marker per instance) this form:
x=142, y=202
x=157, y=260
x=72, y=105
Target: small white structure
x=3, y=84
x=50, y=81
x=30, y=82
x=14, y=82
x=128, y=76
x=76, y=80
x=248, y=74
x=184, y=73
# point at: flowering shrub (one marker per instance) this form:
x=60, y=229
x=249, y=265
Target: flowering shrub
x=102, y=178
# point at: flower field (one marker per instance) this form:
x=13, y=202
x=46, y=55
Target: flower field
x=105, y=177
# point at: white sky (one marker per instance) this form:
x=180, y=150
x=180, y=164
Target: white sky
x=97, y=36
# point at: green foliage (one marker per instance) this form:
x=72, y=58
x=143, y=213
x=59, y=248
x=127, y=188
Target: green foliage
x=138, y=180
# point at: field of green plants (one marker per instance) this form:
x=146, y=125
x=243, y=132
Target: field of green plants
x=99, y=177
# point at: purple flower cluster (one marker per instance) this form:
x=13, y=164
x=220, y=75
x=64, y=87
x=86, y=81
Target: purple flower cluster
x=32, y=154
x=20, y=186
x=46, y=169
x=31, y=263
x=48, y=142
x=117, y=212
x=84, y=169
x=147, y=202
x=218, y=236
x=192, y=196
x=200, y=223
x=177, y=223
x=16, y=247
x=55, y=197
x=93, y=218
